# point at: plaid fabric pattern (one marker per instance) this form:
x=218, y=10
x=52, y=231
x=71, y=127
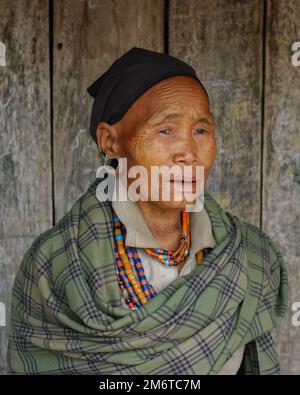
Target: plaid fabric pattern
x=67, y=316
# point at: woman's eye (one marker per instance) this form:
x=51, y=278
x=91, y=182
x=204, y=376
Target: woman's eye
x=200, y=130
x=169, y=131
x=165, y=131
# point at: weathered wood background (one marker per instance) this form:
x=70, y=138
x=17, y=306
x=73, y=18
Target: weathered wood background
x=241, y=50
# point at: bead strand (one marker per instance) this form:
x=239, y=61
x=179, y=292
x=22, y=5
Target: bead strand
x=127, y=265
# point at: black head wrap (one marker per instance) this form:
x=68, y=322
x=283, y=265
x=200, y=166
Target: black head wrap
x=127, y=79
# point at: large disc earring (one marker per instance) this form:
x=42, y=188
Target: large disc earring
x=111, y=162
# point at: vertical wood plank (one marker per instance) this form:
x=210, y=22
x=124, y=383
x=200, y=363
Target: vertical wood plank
x=222, y=40
x=281, y=170
x=88, y=37
x=25, y=152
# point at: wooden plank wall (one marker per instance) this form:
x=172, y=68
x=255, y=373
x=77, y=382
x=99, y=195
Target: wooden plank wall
x=241, y=50
x=25, y=138
x=281, y=166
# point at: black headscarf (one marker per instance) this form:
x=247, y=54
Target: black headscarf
x=127, y=79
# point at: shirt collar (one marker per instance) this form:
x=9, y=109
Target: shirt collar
x=139, y=235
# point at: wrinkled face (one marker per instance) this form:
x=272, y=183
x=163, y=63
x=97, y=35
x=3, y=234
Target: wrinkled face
x=169, y=125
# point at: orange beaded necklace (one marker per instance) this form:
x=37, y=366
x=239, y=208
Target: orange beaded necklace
x=168, y=257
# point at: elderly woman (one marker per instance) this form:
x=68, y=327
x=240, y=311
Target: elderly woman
x=147, y=286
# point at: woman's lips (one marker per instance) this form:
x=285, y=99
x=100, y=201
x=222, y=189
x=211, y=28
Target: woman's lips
x=184, y=184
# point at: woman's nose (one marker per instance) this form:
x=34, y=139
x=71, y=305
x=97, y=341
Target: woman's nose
x=186, y=151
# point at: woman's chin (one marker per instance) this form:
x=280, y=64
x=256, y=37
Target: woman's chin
x=175, y=204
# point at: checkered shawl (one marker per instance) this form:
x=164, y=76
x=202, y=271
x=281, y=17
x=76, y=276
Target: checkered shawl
x=67, y=316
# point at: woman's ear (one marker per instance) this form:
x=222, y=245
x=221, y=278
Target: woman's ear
x=107, y=138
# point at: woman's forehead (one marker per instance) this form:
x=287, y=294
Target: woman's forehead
x=170, y=99
x=171, y=110
x=179, y=86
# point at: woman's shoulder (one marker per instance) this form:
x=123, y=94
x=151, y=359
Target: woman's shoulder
x=259, y=240
x=52, y=236
x=87, y=215
x=266, y=260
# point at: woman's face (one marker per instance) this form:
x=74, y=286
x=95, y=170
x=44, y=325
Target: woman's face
x=169, y=125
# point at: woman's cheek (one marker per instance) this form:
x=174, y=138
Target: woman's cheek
x=152, y=152
x=209, y=149
x=137, y=149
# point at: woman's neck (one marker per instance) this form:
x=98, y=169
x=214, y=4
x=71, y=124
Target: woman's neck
x=165, y=225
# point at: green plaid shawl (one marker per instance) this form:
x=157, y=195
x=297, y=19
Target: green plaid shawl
x=67, y=316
